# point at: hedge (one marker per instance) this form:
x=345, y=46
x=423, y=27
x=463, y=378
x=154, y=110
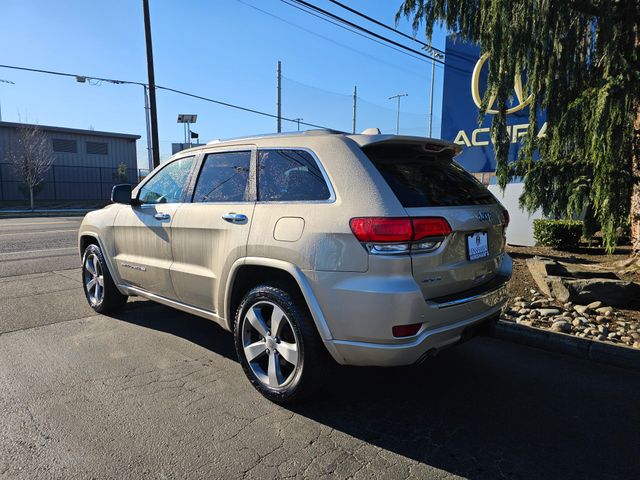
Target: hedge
x=557, y=233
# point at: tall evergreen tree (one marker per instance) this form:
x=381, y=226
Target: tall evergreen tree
x=582, y=61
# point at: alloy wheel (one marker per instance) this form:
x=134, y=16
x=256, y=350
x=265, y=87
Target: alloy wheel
x=93, y=279
x=270, y=344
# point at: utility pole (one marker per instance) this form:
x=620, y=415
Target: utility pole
x=298, y=120
x=398, y=96
x=355, y=100
x=279, y=97
x=146, y=118
x=153, y=113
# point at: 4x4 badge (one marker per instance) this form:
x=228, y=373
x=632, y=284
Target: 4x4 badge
x=484, y=216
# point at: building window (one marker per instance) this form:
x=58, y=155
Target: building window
x=61, y=145
x=97, y=148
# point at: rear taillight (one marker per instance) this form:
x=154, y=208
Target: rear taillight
x=375, y=229
x=393, y=235
x=430, y=227
x=505, y=214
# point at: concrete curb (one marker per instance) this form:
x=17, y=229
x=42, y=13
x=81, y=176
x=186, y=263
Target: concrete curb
x=593, y=350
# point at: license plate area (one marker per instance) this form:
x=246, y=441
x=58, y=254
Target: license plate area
x=477, y=245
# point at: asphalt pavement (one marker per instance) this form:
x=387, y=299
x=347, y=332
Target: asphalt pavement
x=156, y=393
x=37, y=245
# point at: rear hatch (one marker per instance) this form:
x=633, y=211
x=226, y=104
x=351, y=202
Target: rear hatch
x=428, y=183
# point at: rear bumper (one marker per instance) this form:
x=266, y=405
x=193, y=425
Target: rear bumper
x=427, y=343
x=361, y=309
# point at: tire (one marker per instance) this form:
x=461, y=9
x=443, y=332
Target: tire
x=280, y=372
x=99, y=289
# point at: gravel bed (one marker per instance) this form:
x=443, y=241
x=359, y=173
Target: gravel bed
x=595, y=321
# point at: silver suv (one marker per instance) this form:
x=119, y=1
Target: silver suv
x=370, y=249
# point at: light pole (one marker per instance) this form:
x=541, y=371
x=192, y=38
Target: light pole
x=398, y=96
x=10, y=83
x=434, y=54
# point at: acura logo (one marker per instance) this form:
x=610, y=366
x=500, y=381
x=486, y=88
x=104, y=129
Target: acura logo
x=484, y=216
x=477, y=98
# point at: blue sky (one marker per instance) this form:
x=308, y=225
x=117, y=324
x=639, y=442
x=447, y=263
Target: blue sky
x=222, y=49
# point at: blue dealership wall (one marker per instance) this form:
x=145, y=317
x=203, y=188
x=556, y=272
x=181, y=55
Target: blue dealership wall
x=460, y=112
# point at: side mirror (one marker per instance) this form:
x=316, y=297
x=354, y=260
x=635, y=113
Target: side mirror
x=122, y=194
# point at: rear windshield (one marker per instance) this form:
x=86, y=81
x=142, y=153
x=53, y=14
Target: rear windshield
x=424, y=179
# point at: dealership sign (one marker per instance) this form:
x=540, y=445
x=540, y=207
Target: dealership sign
x=465, y=78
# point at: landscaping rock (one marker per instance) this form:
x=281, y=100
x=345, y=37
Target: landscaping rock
x=604, y=310
x=561, y=326
x=595, y=305
x=581, y=283
x=581, y=309
x=539, y=303
x=548, y=312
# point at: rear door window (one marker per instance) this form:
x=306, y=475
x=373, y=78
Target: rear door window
x=290, y=175
x=224, y=178
x=423, y=179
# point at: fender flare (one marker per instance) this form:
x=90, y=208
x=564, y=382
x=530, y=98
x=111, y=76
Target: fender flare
x=107, y=258
x=303, y=285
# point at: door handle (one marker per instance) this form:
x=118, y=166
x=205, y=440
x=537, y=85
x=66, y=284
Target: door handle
x=162, y=216
x=235, y=217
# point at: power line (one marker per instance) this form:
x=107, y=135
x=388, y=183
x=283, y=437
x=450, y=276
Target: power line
x=237, y=107
x=64, y=74
x=345, y=27
x=180, y=92
x=332, y=40
x=394, y=30
x=363, y=29
x=383, y=25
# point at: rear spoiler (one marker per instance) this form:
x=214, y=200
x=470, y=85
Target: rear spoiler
x=430, y=144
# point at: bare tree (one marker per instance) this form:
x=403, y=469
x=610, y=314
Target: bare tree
x=32, y=157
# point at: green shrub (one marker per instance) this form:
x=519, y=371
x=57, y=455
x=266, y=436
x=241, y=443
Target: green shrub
x=557, y=233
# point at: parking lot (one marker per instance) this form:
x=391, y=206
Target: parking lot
x=156, y=393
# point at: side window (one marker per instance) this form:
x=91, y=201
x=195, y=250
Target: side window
x=224, y=178
x=290, y=175
x=169, y=184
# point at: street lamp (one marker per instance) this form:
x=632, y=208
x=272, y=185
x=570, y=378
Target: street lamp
x=398, y=96
x=187, y=119
x=7, y=82
x=98, y=81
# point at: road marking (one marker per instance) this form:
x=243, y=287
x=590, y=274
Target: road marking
x=31, y=232
x=20, y=252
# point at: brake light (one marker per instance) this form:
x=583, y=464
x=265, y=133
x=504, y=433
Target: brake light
x=402, y=229
x=505, y=213
x=430, y=227
x=382, y=229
